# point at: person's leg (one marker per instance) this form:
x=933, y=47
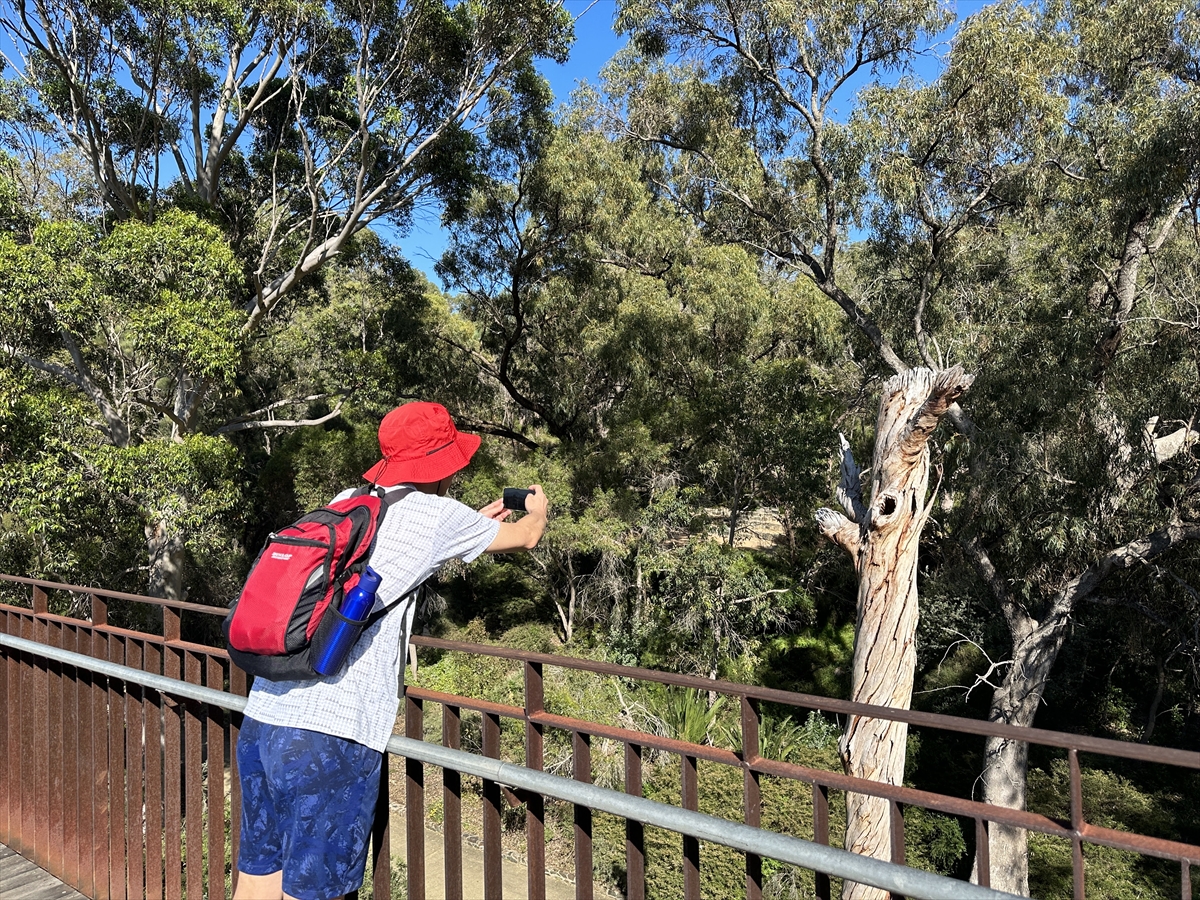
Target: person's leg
x=259, y=887
x=326, y=789
x=260, y=856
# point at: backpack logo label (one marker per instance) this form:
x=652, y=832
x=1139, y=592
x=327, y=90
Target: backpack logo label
x=285, y=556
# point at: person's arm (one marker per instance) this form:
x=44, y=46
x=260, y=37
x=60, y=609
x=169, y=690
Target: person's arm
x=524, y=533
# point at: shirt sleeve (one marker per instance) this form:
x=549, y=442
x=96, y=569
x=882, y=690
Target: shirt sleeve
x=463, y=533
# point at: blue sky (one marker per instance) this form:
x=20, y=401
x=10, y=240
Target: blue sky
x=595, y=44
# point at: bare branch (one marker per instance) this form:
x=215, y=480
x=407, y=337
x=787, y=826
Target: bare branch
x=849, y=490
x=948, y=385
x=840, y=530
x=279, y=423
x=993, y=668
x=1138, y=551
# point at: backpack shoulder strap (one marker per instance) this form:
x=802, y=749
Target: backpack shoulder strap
x=388, y=499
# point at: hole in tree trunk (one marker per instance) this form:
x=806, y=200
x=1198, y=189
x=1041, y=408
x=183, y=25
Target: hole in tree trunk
x=887, y=506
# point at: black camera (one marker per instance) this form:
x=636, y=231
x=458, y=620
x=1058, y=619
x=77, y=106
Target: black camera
x=514, y=498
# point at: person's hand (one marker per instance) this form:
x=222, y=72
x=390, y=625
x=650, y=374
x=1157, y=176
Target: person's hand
x=495, y=510
x=536, y=502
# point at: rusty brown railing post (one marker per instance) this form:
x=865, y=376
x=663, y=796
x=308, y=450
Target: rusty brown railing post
x=493, y=877
x=581, y=770
x=452, y=805
x=535, y=804
x=983, y=852
x=414, y=799
x=690, y=799
x=751, y=792
x=1076, y=823
x=381, y=840
x=635, y=836
x=99, y=610
x=820, y=796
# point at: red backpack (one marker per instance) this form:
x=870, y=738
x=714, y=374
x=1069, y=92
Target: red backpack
x=300, y=572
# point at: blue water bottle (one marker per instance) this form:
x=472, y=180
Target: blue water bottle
x=340, y=628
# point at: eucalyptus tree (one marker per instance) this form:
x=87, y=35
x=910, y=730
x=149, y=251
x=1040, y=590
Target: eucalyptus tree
x=742, y=133
x=291, y=127
x=1024, y=202
x=98, y=325
x=1011, y=210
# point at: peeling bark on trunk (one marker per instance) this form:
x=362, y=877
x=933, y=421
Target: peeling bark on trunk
x=883, y=538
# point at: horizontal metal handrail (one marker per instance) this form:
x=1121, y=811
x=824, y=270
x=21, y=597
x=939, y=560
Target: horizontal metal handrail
x=899, y=879
x=1105, y=746
x=1189, y=759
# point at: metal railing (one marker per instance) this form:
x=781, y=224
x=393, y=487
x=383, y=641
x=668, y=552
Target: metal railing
x=98, y=767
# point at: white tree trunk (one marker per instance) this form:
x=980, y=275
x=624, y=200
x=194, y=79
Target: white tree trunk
x=1036, y=644
x=1006, y=762
x=165, y=548
x=883, y=540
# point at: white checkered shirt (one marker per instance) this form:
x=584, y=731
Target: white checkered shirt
x=420, y=533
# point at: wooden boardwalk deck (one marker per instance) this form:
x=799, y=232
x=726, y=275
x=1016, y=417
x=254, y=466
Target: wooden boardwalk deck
x=22, y=880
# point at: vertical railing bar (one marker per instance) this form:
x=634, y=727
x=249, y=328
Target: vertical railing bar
x=452, y=806
x=690, y=796
x=581, y=770
x=414, y=800
x=535, y=804
x=751, y=792
x=1185, y=892
x=72, y=809
x=85, y=770
x=99, y=610
x=15, y=669
x=42, y=675
x=820, y=795
x=172, y=779
x=41, y=744
x=214, y=677
x=1076, y=824
x=7, y=730
x=135, y=780
x=117, y=773
x=238, y=684
x=193, y=816
x=72, y=728
x=57, y=759
x=983, y=852
x=493, y=877
x=24, y=839
x=899, y=854
x=102, y=774
x=381, y=837
x=41, y=601
x=172, y=625
x=635, y=832
x=152, y=717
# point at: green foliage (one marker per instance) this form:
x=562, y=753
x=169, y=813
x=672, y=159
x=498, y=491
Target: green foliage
x=1111, y=801
x=685, y=714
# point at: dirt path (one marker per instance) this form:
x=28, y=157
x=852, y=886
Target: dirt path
x=515, y=886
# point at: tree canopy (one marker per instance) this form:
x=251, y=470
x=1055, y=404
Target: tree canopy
x=663, y=299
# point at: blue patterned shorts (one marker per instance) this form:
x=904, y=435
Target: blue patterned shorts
x=308, y=800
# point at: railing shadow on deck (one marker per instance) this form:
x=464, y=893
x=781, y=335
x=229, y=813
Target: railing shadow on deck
x=98, y=772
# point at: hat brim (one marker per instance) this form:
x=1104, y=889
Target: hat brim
x=425, y=469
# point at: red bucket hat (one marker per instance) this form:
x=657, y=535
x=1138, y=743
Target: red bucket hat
x=420, y=444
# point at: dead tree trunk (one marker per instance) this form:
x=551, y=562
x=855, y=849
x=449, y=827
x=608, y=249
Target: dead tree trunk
x=882, y=539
